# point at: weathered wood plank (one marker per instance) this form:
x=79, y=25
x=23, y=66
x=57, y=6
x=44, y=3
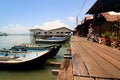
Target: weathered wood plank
x=65, y=72
x=62, y=74
x=55, y=72
x=79, y=67
x=55, y=64
x=111, y=65
x=82, y=78
x=101, y=62
x=93, y=68
x=70, y=71
x=109, y=51
x=102, y=79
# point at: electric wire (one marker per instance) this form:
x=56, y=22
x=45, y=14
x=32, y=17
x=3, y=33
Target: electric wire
x=81, y=8
x=80, y=12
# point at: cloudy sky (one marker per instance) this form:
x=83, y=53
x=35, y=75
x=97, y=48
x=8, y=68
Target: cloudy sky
x=18, y=16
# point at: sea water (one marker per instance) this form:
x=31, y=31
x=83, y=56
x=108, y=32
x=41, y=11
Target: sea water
x=11, y=40
x=44, y=73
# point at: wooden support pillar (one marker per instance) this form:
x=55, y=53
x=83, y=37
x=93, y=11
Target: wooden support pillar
x=68, y=49
x=67, y=56
x=55, y=63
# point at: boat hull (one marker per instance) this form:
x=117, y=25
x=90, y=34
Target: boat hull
x=30, y=64
x=52, y=41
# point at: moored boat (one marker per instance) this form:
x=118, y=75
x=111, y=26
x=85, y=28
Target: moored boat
x=3, y=34
x=54, y=47
x=25, y=58
x=52, y=40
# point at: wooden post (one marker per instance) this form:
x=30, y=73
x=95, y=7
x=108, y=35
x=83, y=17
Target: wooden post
x=68, y=57
x=55, y=72
x=55, y=63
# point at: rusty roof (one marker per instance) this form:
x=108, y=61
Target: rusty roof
x=109, y=17
x=86, y=19
x=104, y=6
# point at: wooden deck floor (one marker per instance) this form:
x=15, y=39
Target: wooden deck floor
x=65, y=72
x=93, y=61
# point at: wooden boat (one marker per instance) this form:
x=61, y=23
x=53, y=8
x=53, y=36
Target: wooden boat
x=52, y=40
x=27, y=58
x=55, y=47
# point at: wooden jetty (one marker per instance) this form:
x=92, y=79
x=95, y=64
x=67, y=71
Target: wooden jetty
x=65, y=72
x=90, y=61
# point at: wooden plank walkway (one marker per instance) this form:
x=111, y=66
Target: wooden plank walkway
x=94, y=61
x=65, y=72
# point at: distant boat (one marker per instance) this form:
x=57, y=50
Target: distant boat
x=52, y=40
x=3, y=34
x=26, y=58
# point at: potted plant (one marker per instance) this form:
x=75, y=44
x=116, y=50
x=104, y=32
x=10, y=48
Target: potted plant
x=112, y=37
x=101, y=39
x=117, y=41
x=106, y=36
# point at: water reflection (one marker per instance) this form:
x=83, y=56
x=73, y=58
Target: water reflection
x=25, y=75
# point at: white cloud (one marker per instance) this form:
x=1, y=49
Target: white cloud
x=20, y=29
x=51, y=25
x=16, y=29
x=72, y=19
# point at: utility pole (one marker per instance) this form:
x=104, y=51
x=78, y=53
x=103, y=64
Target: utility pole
x=76, y=20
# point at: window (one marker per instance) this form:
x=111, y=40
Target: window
x=50, y=32
x=57, y=32
x=67, y=32
x=61, y=32
x=39, y=32
x=45, y=32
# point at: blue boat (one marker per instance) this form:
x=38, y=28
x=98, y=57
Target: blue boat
x=52, y=40
x=21, y=58
x=23, y=47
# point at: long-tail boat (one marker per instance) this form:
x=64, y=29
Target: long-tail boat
x=26, y=58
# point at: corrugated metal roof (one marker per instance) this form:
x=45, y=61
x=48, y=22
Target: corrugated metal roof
x=109, y=17
x=86, y=19
x=104, y=6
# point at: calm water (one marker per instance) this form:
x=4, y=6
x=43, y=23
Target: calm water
x=43, y=73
